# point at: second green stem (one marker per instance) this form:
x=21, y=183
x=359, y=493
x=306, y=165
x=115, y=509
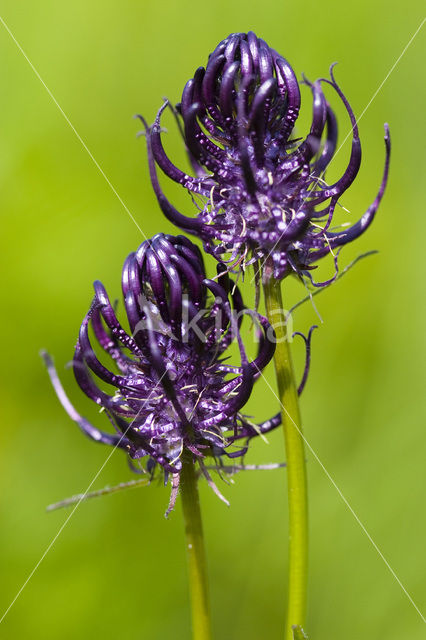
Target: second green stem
x=295, y=459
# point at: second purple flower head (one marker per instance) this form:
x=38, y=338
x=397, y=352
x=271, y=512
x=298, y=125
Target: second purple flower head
x=172, y=396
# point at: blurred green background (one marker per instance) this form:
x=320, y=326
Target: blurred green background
x=117, y=569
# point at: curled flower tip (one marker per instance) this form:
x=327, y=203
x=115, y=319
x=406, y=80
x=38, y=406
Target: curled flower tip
x=263, y=193
x=268, y=425
x=172, y=395
x=88, y=429
x=307, y=340
x=339, y=239
x=139, y=116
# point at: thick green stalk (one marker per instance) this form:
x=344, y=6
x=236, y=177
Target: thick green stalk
x=197, y=565
x=295, y=458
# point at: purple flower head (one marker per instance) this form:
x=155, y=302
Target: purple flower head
x=262, y=193
x=172, y=393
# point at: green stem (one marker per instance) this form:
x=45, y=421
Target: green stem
x=295, y=458
x=197, y=565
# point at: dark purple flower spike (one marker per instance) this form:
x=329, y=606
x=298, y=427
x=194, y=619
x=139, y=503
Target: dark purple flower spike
x=263, y=194
x=173, y=394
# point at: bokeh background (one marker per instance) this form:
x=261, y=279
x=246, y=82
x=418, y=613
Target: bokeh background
x=117, y=569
